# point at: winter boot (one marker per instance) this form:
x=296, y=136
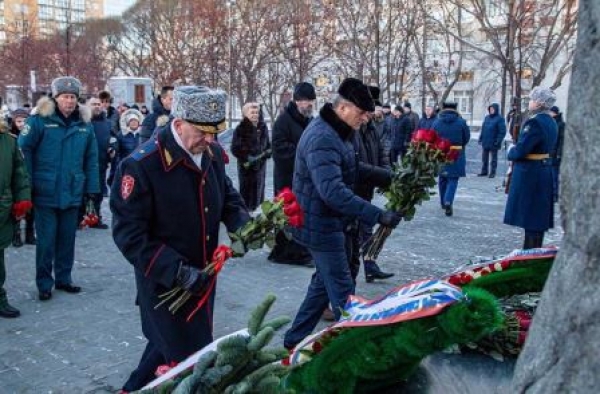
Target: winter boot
x=29, y=231
x=372, y=271
x=17, y=242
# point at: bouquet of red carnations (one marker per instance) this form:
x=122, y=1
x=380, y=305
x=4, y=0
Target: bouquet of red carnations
x=412, y=178
x=90, y=219
x=283, y=211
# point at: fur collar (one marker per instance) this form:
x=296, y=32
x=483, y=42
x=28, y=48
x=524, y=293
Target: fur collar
x=328, y=114
x=46, y=107
x=292, y=110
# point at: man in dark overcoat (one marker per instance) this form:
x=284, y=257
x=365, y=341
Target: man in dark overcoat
x=325, y=174
x=286, y=133
x=530, y=195
x=168, y=200
x=251, y=146
x=493, y=131
x=451, y=126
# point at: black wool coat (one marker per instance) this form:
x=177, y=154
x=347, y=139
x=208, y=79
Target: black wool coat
x=287, y=130
x=249, y=140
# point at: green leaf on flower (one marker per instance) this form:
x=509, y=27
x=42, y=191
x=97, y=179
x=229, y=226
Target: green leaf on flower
x=266, y=207
x=257, y=244
x=238, y=248
x=270, y=240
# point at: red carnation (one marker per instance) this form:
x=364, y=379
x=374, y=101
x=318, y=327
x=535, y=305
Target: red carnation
x=443, y=145
x=453, y=155
x=297, y=220
x=317, y=347
x=292, y=209
x=286, y=195
x=423, y=135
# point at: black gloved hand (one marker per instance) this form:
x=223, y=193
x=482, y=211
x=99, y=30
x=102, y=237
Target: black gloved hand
x=191, y=278
x=90, y=197
x=268, y=154
x=389, y=219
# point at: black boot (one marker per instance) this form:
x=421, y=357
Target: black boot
x=6, y=310
x=17, y=242
x=448, y=209
x=372, y=272
x=29, y=231
x=533, y=240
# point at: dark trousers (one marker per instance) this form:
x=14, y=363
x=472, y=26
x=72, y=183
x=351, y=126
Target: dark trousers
x=55, y=249
x=331, y=282
x=555, y=180
x=145, y=372
x=3, y=299
x=447, y=187
x=533, y=239
x=485, y=158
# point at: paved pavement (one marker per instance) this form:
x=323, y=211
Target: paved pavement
x=88, y=343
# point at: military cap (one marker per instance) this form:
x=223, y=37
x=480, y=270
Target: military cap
x=355, y=91
x=61, y=85
x=544, y=96
x=201, y=106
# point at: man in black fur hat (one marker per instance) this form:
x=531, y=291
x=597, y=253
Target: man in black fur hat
x=325, y=175
x=286, y=133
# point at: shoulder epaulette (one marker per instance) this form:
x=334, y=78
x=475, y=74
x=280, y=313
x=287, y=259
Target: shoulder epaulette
x=145, y=150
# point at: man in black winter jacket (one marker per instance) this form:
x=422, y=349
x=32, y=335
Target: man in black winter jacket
x=161, y=109
x=286, y=133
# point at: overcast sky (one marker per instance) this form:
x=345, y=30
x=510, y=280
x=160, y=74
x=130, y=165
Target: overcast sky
x=116, y=7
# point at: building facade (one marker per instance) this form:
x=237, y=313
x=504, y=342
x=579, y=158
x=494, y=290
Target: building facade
x=39, y=18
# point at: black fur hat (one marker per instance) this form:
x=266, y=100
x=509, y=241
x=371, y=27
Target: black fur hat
x=304, y=91
x=355, y=91
x=449, y=105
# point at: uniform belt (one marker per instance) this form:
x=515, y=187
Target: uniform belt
x=456, y=147
x=537, y=156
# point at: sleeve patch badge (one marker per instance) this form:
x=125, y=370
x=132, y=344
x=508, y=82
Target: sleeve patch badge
x=127, y=184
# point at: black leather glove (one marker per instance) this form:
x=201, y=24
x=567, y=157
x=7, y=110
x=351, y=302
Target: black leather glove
x=191, y=278
x=374, y=175
x=389, y=219
x=268, y=154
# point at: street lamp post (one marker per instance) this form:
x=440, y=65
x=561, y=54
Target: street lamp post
x=230, y=3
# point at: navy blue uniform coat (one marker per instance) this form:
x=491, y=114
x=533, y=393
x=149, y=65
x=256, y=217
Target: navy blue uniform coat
x=167, y=210
x=530, y=202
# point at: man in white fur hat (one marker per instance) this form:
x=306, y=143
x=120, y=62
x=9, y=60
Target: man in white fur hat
x=61, y=154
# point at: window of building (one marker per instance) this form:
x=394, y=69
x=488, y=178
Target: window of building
x=464, y=99
x=140, y=93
